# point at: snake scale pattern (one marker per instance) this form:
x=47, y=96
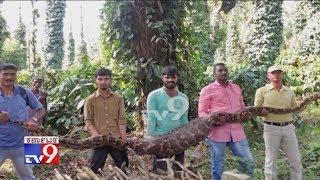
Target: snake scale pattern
x=180, y=139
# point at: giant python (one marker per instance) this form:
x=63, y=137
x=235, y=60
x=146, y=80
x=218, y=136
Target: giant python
x=178, y=140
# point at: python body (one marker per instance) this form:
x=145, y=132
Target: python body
x=178, y=140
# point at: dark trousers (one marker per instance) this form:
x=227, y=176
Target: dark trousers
x=163, y=165
x=100, y=154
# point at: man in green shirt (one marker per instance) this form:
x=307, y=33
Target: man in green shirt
x=167, y=110
x=278, y=128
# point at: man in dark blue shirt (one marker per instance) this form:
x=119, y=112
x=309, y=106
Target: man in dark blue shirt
x=13, y=107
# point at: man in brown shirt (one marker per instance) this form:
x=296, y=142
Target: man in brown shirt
x=104, y=115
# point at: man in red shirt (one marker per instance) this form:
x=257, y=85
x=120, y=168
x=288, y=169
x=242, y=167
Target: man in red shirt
x=224, y=96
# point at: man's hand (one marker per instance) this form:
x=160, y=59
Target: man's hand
x=264, y=112
x=95, y=134
x=4, y=117
x=123, y=130
x=246, y=115
x=32, y=126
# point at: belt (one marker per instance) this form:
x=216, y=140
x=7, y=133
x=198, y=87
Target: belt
x=278, y=124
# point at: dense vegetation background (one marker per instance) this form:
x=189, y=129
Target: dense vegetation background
x=140, y=37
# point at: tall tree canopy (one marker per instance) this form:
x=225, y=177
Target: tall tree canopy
x=54, y=45
x=34, y=60
x=20, y=36
x=71, y=50
x=140, y=37
x=3, y=31
x=83, y=52
x=265, y=36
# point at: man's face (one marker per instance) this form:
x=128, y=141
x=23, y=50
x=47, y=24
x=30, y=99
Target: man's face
x=221, y=73
x=8, y=77
x=36, y=84
x=103, y=82
x=275, y=76
x=169, y=81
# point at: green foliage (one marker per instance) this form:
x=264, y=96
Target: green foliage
x=180, y=34
x=249, y=79
x=34, y=58
x=193, y=51
x=71, y=51
x=67, y=91
x=13, y=52
x=300, y=18
x=309, y=39
x=265, y=37
x=312, y=156
x=62, y=111
x=3, y=31
x=20, y=36
x=302, y=73
x=83, y=53
x=54, y=45
x=232, y=39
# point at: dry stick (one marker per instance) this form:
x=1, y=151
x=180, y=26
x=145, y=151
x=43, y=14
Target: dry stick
x=102, y=173
x=66, y=177
x=81, y=174
x=199, y=164
x=157, y=176
x=170, y=161
x=188, y=177
x=185, y=169
x=58, y=174
x=144, y=169
x=200, y=175
x=182, y=175
x=118, y=175
x=90, y=173
x=169, y=168
x=121, y=172
x=112, y=176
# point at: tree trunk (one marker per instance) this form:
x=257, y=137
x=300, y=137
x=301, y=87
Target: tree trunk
x=143, y=48
x=34, y=62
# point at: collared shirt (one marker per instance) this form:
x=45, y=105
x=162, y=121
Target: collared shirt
x=270, y=97
x=217, y=98
x=166, y=113
x=106, y=113
x=11, y=135
x=41, y=95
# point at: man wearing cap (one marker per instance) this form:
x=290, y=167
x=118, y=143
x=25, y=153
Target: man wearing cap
x=278, y=128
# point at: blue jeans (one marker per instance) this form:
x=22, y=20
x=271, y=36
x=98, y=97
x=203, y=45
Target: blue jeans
x=16, y=155
x=240, y=149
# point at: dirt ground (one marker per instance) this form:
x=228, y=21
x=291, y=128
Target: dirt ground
x=73, y=160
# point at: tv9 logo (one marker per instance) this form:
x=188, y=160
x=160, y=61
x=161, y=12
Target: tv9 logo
x=176, y=107
x=41, y=150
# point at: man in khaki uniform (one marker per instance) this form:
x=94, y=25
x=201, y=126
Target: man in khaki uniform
x=278, y=128
x=104, y=115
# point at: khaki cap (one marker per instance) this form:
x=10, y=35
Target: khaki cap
x=274, y=68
